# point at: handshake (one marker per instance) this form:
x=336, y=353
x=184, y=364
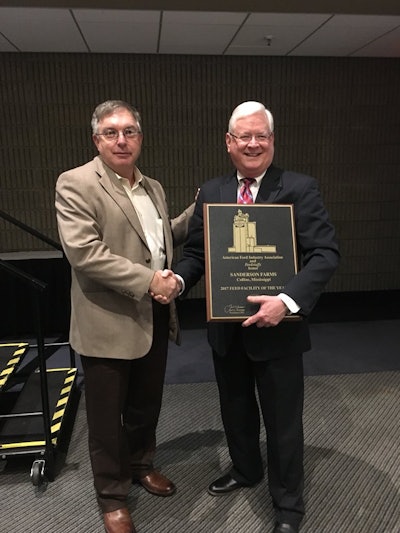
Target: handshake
x=165, y=286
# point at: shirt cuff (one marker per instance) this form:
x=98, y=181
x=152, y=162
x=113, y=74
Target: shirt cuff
x=182, y=284
x=289, y=302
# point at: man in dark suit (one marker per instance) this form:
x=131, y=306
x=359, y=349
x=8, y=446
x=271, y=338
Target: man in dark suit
x=265, y=352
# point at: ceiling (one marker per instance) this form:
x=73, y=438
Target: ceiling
x=33, y=27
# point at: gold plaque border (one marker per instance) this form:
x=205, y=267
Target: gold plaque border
x=208, y=282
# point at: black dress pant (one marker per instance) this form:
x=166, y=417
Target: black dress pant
x=280, y=387
x=123, y=402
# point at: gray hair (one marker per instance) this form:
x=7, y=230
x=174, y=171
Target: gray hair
x=108, y=108
x=249, y=108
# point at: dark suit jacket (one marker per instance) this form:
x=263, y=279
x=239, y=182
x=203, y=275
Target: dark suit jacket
x=316, y=245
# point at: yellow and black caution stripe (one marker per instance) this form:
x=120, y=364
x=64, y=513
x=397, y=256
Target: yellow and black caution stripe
x=17, y=445
x=62, y=400
x=20, y=349
x=58, y=414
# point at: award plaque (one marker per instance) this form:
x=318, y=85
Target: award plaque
x=249, y=250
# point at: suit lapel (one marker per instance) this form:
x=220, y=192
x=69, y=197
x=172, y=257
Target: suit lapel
x=109, y=181
x=154, y=198
x=162, y=211
x=270, y=186
x=228, y=190
x=268, y=192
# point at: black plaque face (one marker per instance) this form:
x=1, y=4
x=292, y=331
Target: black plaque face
x=249, y=250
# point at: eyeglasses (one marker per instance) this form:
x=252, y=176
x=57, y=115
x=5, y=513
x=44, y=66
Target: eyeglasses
x=260, y=138
x=110, y=134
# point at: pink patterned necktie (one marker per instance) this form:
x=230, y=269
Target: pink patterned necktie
x=245, y=194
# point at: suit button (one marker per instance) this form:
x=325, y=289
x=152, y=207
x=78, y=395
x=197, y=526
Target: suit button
x=148, y=261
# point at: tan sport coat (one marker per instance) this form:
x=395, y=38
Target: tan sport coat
x=111, y=310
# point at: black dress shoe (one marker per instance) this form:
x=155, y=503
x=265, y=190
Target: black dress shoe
x=224, y=485
x=284, y=527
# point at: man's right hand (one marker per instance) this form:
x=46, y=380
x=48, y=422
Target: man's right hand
x=164, y=286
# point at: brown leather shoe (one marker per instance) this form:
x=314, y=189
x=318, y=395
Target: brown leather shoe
x=155, y=483
x=118, y=521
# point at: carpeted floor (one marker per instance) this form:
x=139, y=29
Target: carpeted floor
x=352, y=461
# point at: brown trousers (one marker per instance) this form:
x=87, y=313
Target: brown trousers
x=123, y=402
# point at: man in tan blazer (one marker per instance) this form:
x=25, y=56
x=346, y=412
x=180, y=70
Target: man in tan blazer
x=116, y=233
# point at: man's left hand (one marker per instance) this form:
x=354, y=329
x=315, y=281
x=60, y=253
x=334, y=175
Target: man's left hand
x=271, y=312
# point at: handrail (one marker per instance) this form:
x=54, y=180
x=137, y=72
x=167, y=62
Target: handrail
x=30, y=230
x=39, y=287
x=37, y=284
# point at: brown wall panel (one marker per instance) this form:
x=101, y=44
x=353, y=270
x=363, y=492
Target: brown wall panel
x=337, y=119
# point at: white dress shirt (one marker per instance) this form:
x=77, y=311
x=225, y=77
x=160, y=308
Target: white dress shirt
x=254, y=188
x=149, y=217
